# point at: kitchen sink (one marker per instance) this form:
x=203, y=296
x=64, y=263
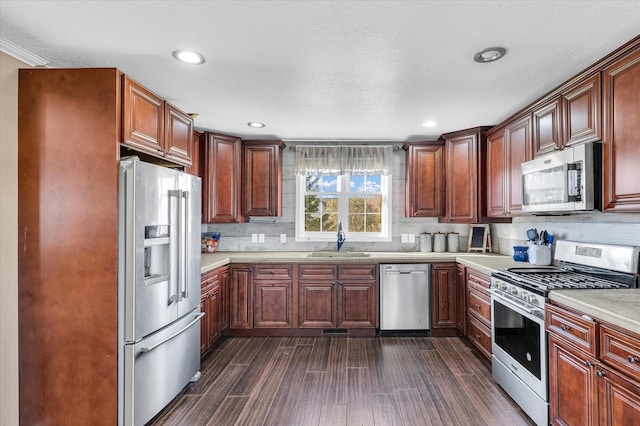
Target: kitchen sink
x=338, y=254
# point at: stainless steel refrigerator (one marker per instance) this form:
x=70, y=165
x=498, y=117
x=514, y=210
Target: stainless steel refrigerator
x=158, y=287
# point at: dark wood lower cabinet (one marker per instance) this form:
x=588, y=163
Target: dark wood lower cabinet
x=443, y=299
x=241, y=298
x=572, y=385
x=273, y=304
x=478, y=311
x=338, y=296
x=317, y=304
x=214, y=303
x=585, y=389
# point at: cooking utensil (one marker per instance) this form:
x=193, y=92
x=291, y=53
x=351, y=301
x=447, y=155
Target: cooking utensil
x=532, y=234
x=543, y=237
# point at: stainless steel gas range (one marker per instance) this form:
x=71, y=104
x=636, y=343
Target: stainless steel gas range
x=518, y=297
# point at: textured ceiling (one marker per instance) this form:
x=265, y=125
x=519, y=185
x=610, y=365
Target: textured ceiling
x=357, y=70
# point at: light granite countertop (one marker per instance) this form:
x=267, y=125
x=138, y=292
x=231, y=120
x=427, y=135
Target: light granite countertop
x=619, y=307
x=483, y=262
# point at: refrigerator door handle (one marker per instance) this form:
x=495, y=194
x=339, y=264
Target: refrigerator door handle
x=160, y=343
x=174, y=258
x=184, y=244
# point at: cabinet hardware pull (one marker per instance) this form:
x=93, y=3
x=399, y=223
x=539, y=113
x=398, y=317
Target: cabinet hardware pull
x=564, y=327
x=478, y=336
x=600, y=373
x=632, y=358
x=588, y=364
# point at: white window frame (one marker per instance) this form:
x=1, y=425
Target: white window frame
x=343, y=212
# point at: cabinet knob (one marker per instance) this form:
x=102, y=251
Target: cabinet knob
x=632, y=358
x=588, y=363
x=564, y=327
x=600, y=373
x=478, y=336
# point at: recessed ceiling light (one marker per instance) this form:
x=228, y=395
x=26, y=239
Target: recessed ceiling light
x=430, y=123
x=188, y=57
x=255, y=124
x=490, y=54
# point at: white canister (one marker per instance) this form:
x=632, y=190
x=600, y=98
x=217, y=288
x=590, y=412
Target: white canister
x=425, y=242
x=539, y=255
x=439, y=242
x=452, y=241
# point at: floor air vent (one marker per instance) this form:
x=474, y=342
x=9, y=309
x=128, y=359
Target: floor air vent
x=335, y=331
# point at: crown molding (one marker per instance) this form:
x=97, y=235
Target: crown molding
x=21, y=54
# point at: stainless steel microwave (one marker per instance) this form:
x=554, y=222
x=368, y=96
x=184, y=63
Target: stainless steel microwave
x=564, y=181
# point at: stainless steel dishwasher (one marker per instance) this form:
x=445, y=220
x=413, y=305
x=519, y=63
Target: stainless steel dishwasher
x=404, y=296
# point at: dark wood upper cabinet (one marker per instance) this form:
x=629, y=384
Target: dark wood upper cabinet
x=582, y=108
x=424, y=179
x=547, y=127
x=178, y=135
x=621, y=134
x=464, y=174
x=507, y=148
x=152, y=126
x=496, y=175
x=220, y=166
x=262, y=178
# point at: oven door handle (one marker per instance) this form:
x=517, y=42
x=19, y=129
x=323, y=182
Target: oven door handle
x=518, y=306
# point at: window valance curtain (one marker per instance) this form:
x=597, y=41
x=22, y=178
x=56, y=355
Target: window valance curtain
x=343, y=160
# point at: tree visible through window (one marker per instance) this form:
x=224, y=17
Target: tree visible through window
x=355, y=200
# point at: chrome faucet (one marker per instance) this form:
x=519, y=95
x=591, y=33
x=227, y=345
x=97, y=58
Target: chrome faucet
x=340, y=236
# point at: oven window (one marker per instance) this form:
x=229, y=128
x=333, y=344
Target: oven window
x=518, y=336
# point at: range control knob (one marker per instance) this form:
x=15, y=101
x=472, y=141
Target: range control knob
x=503, y=286
x=513, y=291
x=533, y=299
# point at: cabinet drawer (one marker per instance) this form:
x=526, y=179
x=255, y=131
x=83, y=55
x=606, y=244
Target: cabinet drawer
x=209, y=278
x=273, y=272
x=358, y=272
x=478, y=279
x=480, y=335
x=318, y=272
x=620, y=351
x=479, y=304
x=573, y=328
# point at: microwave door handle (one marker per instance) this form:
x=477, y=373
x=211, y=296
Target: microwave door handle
x=565, y=181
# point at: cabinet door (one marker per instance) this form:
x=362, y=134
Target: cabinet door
x=619, y=399
x=273, y=304
x=462, y=179
x=317, y=304
x=224, y=298
x=194, y=168
x=241, y=300
x=518, y=150
x=204, y=323
x=621, y=134
x=178, y=135
x=443, y=295
x=496, y=175
x=461, y=284
x=572, y=385
x=356, y=305
x=213, y=312
x=547, y=127
x=262, y=178
x=424, y=185
x=220, y=178
x=582, y=109
x=142, y=118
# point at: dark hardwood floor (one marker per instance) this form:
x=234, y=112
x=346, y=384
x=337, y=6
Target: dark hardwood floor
x=343, y=381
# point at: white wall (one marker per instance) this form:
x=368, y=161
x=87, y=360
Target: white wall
x=9, y=239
